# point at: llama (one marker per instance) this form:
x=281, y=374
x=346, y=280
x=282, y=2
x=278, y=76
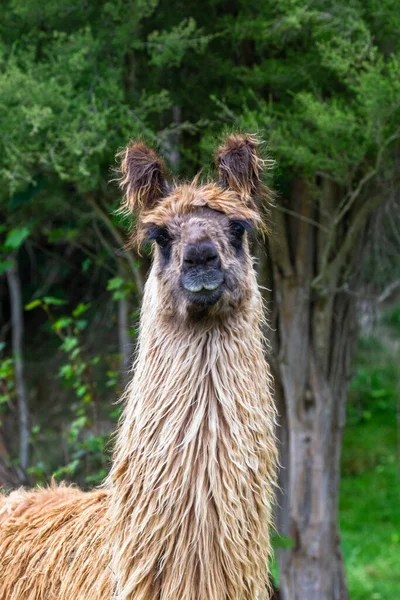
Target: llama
x=185, y=512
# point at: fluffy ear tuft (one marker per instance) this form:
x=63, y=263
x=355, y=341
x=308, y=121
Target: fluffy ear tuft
x=142, y=178
x=240, y=166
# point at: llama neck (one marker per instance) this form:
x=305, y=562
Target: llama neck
x=193, y=470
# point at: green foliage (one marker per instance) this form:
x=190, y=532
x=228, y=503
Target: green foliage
x=370, y=489
x=16, y=237
x=85, y=446
x=119, y=287
x=168, y=48
x=7, y=382
x=373, y=389
x=391, y=318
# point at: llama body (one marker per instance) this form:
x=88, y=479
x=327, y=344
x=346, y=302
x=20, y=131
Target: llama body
x=186, y=509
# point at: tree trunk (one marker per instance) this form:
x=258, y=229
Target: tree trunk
x=171, y=139
x=311, y=339
x=17, y=321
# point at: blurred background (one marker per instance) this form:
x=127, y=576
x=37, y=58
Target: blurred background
x=319, y=81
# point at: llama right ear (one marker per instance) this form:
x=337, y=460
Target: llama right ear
x=142, y=178
x=240, y=166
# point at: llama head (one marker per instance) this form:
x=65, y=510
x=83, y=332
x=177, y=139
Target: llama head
x=202, y=265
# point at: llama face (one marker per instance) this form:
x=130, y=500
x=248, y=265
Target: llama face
x=202, y=262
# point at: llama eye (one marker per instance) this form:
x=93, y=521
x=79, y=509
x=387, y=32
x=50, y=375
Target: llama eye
x=161, y=236
x=237, y=229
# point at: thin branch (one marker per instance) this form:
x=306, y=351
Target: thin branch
x=118, y=238
x=103, y=240
x=90, y=254
x=388, y=291
x=351, y=197
x=350, y=237
x=349, y=200
x=297, y=215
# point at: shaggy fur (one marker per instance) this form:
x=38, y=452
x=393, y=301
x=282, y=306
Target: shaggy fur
x=53, y=545
x=142, y=177
x=186, y=509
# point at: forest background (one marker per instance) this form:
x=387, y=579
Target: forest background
x=319, y=81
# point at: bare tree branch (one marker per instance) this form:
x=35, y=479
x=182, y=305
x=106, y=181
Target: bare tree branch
x=348, y=203
x=297, y=215
x=348, y=242
x=388, y=291
x=102, y=215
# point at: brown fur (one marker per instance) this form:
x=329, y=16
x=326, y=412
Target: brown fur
x=52, y=545
x=142, y=177
x=185, y=199
x=240, y=167
x=186, y=510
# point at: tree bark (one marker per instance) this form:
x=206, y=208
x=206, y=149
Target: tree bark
x=311, y=339
x=170, y=142
x=17, y=321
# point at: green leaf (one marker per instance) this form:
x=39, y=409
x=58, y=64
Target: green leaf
x=69, y=343
x=33, y=304
x=55, y=301
x=81, y=390
x=86, y=264
x=66, y=371
x=75, y=352
x=80, y=309
x=68, y=469
x=16, y=237
x=5, y=265
x=61, y=323
x=115, y=283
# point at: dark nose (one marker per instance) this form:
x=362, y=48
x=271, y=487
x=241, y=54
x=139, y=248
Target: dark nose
x=201, y=254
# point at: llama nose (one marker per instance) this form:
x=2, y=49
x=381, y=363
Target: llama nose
x=201, y=254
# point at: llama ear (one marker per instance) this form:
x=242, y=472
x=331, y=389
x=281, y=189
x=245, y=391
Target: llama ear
x=142, y=178
x=240, y=165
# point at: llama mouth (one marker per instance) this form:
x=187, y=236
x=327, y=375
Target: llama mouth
x=195, y=288
x=202, y=290
x=204, y=297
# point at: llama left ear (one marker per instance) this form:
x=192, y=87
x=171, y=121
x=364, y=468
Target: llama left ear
x=240, y=165
x=142, y=178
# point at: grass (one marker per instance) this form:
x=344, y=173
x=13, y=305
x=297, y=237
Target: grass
x=370, y=514
x=370, y=485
